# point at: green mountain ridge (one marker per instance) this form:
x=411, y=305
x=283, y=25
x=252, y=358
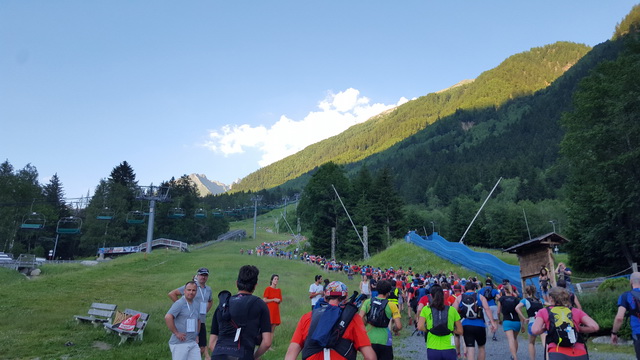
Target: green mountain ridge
x=519, y=75
x=518, y=139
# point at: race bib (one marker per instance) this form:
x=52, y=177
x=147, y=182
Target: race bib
x=191, y=325
x=203, y=308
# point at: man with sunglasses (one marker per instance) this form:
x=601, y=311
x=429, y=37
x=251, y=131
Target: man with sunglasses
x=203, y=302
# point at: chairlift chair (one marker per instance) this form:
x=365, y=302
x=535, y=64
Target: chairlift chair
x=105, y=214
x=135, y=217
x=33, y=221
x=69, y=225
x=176, y=213
x=217, y=213
x=200, y=213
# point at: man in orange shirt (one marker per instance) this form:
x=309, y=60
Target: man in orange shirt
x=335, y=293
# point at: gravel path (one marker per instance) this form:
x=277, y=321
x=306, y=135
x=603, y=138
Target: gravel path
x=413, y=347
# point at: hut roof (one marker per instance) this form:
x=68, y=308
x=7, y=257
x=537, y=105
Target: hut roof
x=546, y=240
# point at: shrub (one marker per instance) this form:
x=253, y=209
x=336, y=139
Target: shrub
x=602, y=307
x=618, y=285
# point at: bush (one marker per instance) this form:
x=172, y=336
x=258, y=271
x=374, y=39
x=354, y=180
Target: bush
x=618, y=285
x=602, y=307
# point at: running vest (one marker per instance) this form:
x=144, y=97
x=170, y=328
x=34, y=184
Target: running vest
x=330, y=332
x=393, y=296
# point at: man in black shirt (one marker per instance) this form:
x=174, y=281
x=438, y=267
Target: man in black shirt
x=238, y=322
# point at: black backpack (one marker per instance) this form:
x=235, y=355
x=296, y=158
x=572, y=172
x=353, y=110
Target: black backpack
x=562, y=329
x=440, y=326
x=488, y=293
x=233, y=319
x=534, y=307
x=509, y=304
x=377, y=315
x=469, y=308
x=636, y=298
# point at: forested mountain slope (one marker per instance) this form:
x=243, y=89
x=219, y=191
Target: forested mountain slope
x=468, y=151
x=519, y=75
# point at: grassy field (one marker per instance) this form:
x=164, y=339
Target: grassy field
x=38, y=321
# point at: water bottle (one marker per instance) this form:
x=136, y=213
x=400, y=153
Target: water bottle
x=572, y=334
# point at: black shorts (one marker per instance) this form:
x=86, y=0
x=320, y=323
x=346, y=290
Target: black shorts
x=202, y=335
x=474, y=334
x=414, y=304
x=383, y=352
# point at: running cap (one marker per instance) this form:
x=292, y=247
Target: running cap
x=203, y=271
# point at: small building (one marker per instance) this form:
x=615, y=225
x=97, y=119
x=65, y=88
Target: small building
x=536, y=253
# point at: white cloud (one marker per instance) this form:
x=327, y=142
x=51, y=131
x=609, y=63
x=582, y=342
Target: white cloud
x=287, y=136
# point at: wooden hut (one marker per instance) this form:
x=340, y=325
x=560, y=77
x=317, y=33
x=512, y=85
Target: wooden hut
x=535, y=253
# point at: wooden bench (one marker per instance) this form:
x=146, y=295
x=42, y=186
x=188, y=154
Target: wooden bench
x=98, y=313
x=135, y=334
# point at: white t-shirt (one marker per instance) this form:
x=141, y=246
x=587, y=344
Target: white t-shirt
x=314, y=288
x=365, y=287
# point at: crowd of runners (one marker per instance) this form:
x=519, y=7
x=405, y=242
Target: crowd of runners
x=455, y=315
x=475, y=309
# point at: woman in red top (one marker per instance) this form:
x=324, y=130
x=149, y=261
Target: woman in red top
x=273, y=297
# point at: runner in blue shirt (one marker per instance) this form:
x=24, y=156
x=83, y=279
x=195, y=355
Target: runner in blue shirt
x=629, y=301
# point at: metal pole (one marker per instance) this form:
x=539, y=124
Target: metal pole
x=433, y=227
x=255, y=217
x=255, y=213
x=527, y=223
x=553, y=222
x=366, y=249
x=55, y=247
x=152, y=213
x=478, y=213
x=333, y=242
x=286, y=222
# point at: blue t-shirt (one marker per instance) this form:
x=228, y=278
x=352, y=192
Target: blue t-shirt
x=421, y=292
x=494, y=293
x=626, y=300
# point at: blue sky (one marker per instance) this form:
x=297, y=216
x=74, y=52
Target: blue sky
x=222, y=88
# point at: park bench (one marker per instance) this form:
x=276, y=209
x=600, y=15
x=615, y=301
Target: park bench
x=136, y=333
x=98, y=313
